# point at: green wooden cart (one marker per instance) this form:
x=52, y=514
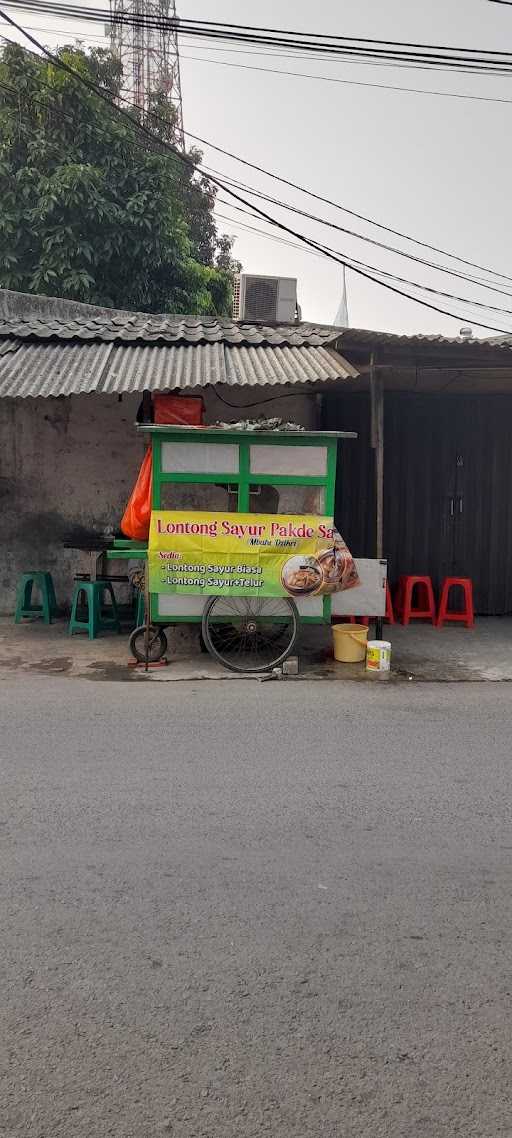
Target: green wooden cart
x=265, y=472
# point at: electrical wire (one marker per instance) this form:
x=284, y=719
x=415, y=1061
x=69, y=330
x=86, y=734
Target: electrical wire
x=389, y=249
x=271, y=54
x=308, y=75
x=323, y=249
x=352, y=262
x=352, y=233
x=270, y=236
x=369, y=240
x=62, y=65
x=460, y=58
x=470, y=278
x=336, y=205
x=345, y=209
x=347, y=82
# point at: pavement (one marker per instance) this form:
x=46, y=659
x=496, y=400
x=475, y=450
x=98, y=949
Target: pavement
x=419, y=652
x=277, y=909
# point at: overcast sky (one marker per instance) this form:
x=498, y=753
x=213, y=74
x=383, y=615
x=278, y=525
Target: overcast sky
x=433, y=167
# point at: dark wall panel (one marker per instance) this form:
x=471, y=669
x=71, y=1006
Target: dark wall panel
x=448, y=487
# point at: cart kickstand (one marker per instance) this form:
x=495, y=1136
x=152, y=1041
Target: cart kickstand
x=146, y=620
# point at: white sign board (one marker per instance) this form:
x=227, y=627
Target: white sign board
x=368, y=598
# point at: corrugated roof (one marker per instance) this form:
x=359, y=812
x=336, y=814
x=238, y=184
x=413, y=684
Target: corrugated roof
x=49, y=318
x=35, y=368
x=285, y=365
x=28, y=316
x=167, y=330
x=51, y=369
x=160, y=367
x=355, y=337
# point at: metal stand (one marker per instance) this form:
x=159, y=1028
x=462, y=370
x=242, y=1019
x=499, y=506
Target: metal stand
x=146, y=616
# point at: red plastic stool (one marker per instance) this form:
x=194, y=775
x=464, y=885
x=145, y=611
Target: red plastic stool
x=426, y=606
x=359, y=620
x=467, y=616
x=390, y=616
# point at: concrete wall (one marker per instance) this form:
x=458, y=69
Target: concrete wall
x=72, y=461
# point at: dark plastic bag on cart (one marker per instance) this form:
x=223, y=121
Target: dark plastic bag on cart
x=137, y=516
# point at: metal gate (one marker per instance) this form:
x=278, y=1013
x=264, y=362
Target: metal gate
x=447, y=488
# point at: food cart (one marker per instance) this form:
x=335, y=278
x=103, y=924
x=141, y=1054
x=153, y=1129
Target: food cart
x=242, y=540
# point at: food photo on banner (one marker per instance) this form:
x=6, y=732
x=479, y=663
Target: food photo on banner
x=247, y=554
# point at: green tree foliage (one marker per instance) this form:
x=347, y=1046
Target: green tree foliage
x=90, y=209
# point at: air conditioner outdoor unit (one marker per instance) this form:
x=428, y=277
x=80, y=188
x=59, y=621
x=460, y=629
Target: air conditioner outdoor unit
x=265, y=300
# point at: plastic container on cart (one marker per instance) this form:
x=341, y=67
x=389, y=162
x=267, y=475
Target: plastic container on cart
x=180, y=410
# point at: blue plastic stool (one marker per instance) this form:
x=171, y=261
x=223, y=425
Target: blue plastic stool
x=96, y=621
x=24, y=604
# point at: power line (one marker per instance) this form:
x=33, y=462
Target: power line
x=461, y=58
x=60, y=63
x=347, y=82
x=353, y=213
x=271, y=54
x=452, y=272
x=345, y=209
x=352, y=262
x=363, y=237
x=294, y=245
x=242, y=28
x=352, y=233
x=460, y=276
x=308, y=75
x=378, y=244
x=323, y=249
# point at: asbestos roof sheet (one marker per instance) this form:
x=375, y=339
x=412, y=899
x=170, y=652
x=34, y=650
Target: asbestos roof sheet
x=365, y=337
x=166, y=330
x=44, y=318
x=253, y=366
x=51, y=369
x=35, y=368
x=159, y=367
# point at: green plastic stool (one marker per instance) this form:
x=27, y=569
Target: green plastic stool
x=96, y=621
x=24, y=605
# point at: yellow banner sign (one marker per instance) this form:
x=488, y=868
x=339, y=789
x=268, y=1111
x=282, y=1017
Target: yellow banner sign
x=244, y=554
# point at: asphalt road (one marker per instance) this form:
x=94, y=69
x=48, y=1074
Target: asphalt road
x=237, y=909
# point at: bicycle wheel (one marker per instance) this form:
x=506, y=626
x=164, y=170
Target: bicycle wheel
x=157, y=644
x=250, y=634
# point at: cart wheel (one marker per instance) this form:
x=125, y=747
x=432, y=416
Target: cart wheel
x=157, y=644
x=250, y=634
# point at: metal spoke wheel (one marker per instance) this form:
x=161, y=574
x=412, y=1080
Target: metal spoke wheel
x=157, y=644
x=250, y=634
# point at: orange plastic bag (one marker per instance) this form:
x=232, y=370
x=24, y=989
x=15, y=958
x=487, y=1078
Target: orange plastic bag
x=137, y=516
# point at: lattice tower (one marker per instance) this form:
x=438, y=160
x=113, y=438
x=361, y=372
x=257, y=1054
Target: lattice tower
x=149, y=54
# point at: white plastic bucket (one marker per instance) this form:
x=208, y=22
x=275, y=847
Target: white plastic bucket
x=378, y=656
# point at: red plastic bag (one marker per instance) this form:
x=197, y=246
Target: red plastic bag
x=137, y=516
x=182, y=410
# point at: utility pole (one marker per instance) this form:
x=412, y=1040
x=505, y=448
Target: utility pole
x=144, y=38
x=377, y=442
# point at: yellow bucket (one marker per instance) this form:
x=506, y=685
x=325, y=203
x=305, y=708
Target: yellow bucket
x=349, y=642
